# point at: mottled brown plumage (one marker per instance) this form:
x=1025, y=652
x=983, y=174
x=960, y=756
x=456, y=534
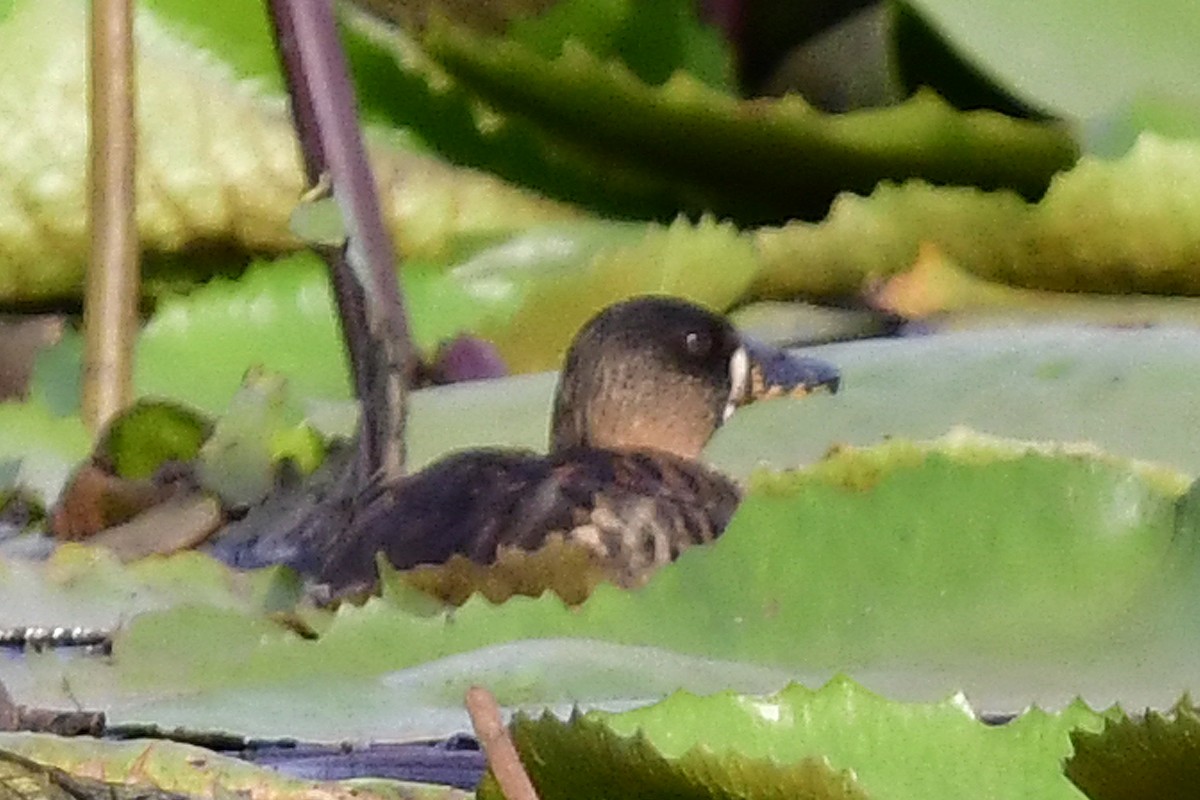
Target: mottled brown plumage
x=644, y=386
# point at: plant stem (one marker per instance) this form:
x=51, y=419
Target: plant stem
x=498, y=747
x=363, y=271
x=111, y=295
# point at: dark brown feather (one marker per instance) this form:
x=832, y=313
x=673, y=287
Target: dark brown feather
x=635, y=510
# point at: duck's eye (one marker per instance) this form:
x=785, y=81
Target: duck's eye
x=698, y=343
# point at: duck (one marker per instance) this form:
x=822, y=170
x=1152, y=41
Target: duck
x=645, y=384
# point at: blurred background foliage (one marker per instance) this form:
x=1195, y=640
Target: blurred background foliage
x=539, y=160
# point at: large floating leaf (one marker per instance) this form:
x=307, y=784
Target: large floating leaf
x=418, y=702
x=939, y=291
x=755, y=160
x=217, y=165
x=529, y=294
x=237, y=33
x=39, y=449
x=893, y=750
x=1062, y=56
x=399, y=85
x=562, y=285
x=279, y=316
x=584, y=759
x=1064, y=383
x=1131, y=225
x=878, y=558
x=189, y=771
x=87, y=587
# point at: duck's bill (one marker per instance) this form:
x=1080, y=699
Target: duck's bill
x=771, y=372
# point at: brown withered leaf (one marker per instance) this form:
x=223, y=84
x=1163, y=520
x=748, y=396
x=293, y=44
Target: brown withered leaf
x=95, y=499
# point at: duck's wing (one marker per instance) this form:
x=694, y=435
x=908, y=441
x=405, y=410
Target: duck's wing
x=639, y=510
x=636, y=511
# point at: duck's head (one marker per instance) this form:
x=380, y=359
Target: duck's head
x=663, y=374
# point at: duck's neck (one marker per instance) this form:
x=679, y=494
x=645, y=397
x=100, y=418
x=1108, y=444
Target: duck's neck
x=630, y=423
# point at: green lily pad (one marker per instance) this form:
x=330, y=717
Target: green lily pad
x=185, y=104
x=529, y=294
x=584, y=759
x=238, y=34
x=218, y=174
x=767, y=159
x=279, y=317
x=419, y=702
x=1087, y=566
x=1051, y=383
x=40, y=447
x=187, y=770
x=1076, y=239
x=261, y=428
x=894, y=750
x=399, y=85
x=87, y=587
x=1063, y=56
x=149, y=433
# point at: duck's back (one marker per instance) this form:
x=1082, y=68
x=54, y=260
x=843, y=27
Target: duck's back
x=635, y=510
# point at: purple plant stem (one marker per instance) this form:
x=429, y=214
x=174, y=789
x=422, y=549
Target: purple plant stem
x=363, y=272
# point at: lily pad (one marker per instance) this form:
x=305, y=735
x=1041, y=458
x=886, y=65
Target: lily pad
x=399, y=85
x=583, y=758
x=279, y=317
x=1088, y=566
x=39, y=449
x=190, y=771
x=261, y=428
x=529, y=294
x=1079, y=237
x=149, y=433
x=423, y=701
x=218, y=171
x=760, y=160
x=941, y=292
x=878, y=740
x=1061, y=56
x=87, y=587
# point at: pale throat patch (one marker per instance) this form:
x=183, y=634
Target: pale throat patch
x=739, y=381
